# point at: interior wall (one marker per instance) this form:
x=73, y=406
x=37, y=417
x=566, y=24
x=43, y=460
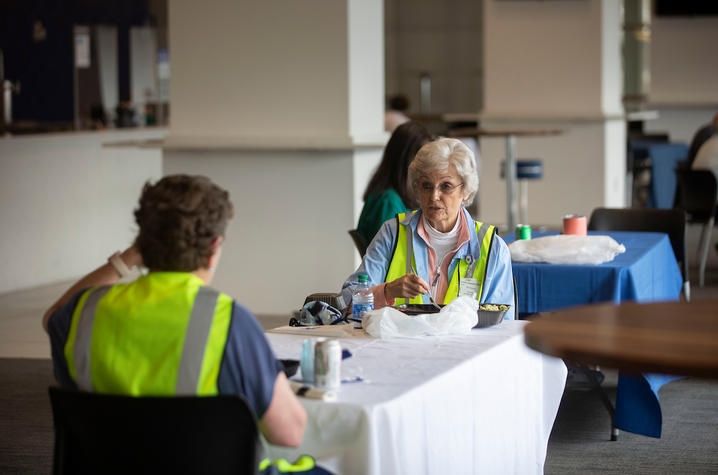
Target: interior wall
x=366, y=69
x=293, y=209
x=684, y=60
x=251, y=70
x=684, y=68
x=554, y=65
x=543, y=59
x=441, y=38
x=68, y=201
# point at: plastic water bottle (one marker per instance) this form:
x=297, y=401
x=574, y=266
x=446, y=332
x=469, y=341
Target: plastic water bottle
x=362, y=300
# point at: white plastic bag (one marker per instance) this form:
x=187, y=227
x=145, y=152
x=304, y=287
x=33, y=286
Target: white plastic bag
x=457, y=318
x=566, y=249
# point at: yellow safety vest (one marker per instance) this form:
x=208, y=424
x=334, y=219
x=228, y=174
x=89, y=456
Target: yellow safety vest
x=162, y=335
x=401, y=264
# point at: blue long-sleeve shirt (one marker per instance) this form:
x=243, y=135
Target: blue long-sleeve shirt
x=498, y=287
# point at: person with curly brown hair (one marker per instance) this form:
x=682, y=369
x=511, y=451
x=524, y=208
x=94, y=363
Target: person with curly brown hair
x=167, y=332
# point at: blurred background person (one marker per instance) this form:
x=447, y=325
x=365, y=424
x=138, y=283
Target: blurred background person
x=395, y=114
x=388, y=191
x=700, y=137
x=707, y=154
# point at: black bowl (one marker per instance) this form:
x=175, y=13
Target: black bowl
x=487, y=318
x=290, y=367
x=418, y=308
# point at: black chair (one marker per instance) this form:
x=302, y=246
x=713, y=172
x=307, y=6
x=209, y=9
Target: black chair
x=96, y=433
x=696, y=195
x=669, y=221
x=358, y=242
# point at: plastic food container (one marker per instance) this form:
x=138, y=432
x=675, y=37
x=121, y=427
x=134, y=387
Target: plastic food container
x=489, y=318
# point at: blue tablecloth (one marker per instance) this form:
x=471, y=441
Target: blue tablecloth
x=646, y=272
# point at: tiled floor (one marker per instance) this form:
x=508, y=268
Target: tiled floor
x=21, y=332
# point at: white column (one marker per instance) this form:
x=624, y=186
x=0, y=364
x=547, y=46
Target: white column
x=555, y=65
x=281, y=103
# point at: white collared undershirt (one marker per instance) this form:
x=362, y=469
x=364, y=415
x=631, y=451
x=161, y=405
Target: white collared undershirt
x=442, y=243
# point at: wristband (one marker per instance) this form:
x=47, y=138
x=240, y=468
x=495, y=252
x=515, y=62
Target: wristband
x=119, y=265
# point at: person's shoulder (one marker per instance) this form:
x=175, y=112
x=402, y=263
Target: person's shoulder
x=62, y=316
x=241, y=313
x=708, y=154
x=710, y=145
x=384, y=195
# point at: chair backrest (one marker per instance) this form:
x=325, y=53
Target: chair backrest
x=358, y=242
x=96, y=433
x=669, y=221
x=697, y=193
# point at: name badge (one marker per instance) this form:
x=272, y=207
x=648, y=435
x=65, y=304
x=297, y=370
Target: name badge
x=468, y=286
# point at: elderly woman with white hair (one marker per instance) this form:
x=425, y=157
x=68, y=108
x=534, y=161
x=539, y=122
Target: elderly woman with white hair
x=438, y=249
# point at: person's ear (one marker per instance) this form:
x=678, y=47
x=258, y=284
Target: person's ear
x=215, y=252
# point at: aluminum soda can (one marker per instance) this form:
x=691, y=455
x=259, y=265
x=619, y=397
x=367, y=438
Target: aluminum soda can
x=524, y=232
x=327, y=364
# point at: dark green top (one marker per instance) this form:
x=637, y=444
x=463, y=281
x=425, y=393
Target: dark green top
x=377, y=209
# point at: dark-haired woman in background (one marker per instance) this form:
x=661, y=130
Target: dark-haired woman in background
x=388, y=191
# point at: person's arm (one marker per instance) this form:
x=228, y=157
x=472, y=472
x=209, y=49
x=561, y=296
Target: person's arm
x=250, y=368
x=375, y=265
x=284, y=421
x=103, y=275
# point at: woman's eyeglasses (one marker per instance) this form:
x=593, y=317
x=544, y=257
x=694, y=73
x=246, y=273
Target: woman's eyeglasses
x=444, y=188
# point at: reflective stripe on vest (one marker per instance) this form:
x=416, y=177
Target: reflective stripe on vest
x=195, y=341
x=303, y=464
x=401, y=265
x=83, y=375
x=171, y=342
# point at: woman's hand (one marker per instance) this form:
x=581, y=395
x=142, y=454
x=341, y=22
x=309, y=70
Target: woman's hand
x=407, y=286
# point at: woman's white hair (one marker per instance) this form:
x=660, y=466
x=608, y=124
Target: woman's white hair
x=438, y=155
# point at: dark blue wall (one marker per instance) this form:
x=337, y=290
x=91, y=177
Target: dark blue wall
x=44, y=68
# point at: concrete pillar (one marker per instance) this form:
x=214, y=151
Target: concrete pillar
x=555, y=65
x=281, y=103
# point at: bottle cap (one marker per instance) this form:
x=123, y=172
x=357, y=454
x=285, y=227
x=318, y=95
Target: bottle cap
x=363, y=278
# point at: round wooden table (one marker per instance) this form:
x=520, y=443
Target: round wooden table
x=666, y=337
x=510, y=162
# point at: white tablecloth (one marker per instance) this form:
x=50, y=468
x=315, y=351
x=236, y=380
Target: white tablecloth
x=478, y=403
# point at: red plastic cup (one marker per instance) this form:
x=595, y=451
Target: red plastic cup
x=574, y=224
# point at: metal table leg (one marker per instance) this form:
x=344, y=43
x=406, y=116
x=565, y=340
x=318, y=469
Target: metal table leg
x=604, y=398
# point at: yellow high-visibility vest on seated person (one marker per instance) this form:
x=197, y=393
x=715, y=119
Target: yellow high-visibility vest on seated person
x=401, y=266
x=162, y=335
